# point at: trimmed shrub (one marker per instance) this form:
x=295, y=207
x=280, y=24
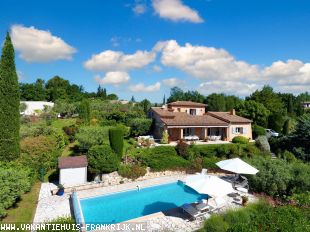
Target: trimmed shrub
x=162, y=162
x=163, y=150
x=240, y=139
x=258, y=131
x=116, y=138
x=131, y=171
x=102, y=159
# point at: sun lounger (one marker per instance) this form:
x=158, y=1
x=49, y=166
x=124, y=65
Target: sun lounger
x=216, y=204
x=202, y=206
x=193, y=212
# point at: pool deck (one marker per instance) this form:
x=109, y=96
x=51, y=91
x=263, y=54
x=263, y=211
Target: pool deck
x=52, y=206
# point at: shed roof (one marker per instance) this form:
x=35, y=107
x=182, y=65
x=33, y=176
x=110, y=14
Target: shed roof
x=72, y=162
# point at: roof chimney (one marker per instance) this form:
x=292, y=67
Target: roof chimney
x=233, y=112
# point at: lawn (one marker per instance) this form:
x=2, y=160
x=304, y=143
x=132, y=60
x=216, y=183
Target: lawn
x=60, y=123
x=25, y=209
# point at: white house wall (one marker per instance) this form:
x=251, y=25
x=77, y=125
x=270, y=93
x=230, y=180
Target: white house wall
x=73, y=176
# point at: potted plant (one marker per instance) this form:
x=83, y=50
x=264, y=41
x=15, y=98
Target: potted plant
x=61, y=190
x=245, y=199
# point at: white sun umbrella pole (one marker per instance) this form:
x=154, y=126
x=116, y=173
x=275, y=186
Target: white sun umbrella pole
x=210, y=185
x=238, y=166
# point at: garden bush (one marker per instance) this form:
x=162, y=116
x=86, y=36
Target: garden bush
x=258, y=131
x=60, y=222
x=116, y=138
x=162, y=163
x=140, y=126
x=70, y=131
x=182, y=149
x=13, y=184
x=210, y=162
x=262, y=143
x=240, y=139
x=131, y=171
x=89, y=136
x=102, y=159
x=40, y=151
x=288, y=156
x=260, y=217
x=163, y=150
x=279, y=178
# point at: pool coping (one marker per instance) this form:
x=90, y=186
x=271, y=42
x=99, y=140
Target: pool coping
x=138, y=219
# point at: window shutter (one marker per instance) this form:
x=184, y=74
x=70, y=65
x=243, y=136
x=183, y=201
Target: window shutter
x=233, y=130
x=245, y=131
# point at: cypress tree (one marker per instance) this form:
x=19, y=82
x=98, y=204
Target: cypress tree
x=116, y=138
x=9, y=104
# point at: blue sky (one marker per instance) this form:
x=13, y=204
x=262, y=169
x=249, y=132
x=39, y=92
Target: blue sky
x=142, y=48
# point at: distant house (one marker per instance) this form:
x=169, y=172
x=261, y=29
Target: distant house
x=72, y=170
x=306, y=105
x=35, y=107
x=186, y=119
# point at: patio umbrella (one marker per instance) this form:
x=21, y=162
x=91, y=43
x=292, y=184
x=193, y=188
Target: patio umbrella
x=207, y=184
x=237, y=165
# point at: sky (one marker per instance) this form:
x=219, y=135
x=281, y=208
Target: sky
x=142, y=48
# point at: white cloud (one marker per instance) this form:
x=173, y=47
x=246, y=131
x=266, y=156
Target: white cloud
x=205, y=63
x=228, y=87
x=172, y=82
x=175, y=10
x=118, y=61
x=157, y=68
x=113, y=78
x=142, y=88
x=292, y=72
x=37, y=45
x=295, y=89
x=139, y=8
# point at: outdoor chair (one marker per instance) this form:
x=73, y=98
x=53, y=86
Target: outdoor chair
x=192, y=211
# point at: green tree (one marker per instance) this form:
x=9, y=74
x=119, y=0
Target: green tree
x=84, y=111
x=140, y=126
x=102, y=159
x=216, y=102
x=146, y=104
x=164, y=100
x=101, y=93
x=9, y=103
x=177, y=94
x=253, y=110
x=286, y=127
x=116, y=138
x=57, y=88
x=132, y=99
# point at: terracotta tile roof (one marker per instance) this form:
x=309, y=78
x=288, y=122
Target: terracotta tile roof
x=72, y=162
x=163, y=112
x=228, y=117
x=184, y=119
x=186, y=103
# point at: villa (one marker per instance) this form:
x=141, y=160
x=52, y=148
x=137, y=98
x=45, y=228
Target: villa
x=189, y=121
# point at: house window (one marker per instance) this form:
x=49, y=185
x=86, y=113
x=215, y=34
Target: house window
x=179, y=109
x=192, y=111
x=188, y=131
x=237, y=130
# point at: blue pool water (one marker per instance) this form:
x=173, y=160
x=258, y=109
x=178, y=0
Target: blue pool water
x=127, y=205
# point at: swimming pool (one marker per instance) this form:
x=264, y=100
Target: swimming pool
x=127, y=205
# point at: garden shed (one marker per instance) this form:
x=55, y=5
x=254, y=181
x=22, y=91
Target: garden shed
x=72, y=170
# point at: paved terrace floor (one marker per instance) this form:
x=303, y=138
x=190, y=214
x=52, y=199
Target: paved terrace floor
x=50, y=207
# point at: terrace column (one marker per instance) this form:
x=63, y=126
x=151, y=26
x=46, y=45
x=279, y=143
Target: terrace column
x=206, y=132
x=181, y=133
